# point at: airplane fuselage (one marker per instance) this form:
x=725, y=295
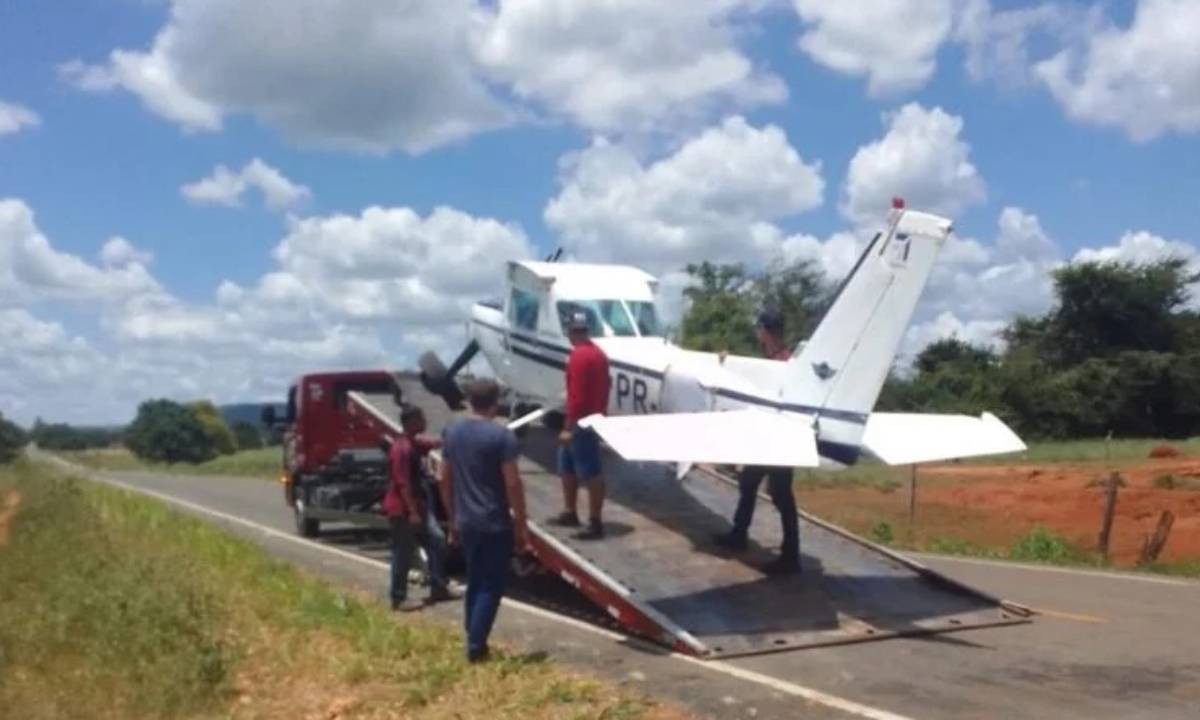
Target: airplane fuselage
x=650, y=375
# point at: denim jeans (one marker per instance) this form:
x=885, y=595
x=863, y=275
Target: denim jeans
x=488, y=555
x=779, y=486
x=405, y=541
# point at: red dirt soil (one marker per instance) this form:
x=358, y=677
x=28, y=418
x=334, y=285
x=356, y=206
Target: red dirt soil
x=1069, y=498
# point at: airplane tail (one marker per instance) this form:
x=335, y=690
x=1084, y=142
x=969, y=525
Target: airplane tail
x=830, y=386
x=838, y=373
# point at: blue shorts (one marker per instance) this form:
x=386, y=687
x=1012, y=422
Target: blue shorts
x=581, y=456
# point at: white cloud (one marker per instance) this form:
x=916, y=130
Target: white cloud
x=119, y=252
x=921, y=158
x=1144, y=79
x=997, y=42
x=420, y=74
x=985, y=333
x=623, y=64
x=714, y=198
x=368, y=76
x=1140, y=247
x=14, y=117
x=225, y=187
x=977, y=288
x=893, y=43
x=32, y=270
x=371, y=290
x=835, y=255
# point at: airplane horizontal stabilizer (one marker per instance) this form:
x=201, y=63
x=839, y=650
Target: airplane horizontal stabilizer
x=906, y=438
x=736, y=437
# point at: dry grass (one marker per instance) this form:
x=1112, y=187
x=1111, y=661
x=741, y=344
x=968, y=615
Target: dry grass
x=113, y=606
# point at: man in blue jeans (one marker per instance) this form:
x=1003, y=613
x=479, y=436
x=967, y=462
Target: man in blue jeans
x=485, y=504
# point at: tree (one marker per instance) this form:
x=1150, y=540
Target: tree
x=219, y=434
x=1106, y=308
x=720, y=315
x=800, y=291
x=952, y=351
x=12, y=439
x=165, y=431
x=60, y=436
x=724, y=300
x=247, y=435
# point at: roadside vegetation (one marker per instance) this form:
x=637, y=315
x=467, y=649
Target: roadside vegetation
x=262, y=463
x=114, y=606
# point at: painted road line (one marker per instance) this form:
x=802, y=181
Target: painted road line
x=808, y=694
x=1077, y=617
x=1108, y=574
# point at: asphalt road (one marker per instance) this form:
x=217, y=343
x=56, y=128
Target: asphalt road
x=1105, y=645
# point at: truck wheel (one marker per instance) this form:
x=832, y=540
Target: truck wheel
x=305, y=526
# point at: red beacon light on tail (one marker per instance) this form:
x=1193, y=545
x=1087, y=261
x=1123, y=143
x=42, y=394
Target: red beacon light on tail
x=897, y=203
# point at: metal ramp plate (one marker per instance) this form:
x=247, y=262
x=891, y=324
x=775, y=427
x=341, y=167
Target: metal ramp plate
x=659, y=553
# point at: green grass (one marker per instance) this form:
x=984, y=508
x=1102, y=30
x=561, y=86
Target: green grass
x=1094, y=450
x=264, y=463
x=114, y=606
x=1039, y=545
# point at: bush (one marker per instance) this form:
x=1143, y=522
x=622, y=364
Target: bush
x=882, y=533
x=60, y=436
x=165, y=431
x=1043, y=545
x=12, y=439
x=219, y=435
x=1165, y=482
x=248, y=436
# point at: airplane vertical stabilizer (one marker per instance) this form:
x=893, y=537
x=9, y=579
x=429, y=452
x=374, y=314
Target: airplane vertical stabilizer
x=841, y=369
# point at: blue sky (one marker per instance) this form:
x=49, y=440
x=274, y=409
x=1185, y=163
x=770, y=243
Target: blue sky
x=721, y=129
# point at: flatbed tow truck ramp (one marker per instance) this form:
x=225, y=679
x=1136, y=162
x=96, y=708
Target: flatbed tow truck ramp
x=658, y=574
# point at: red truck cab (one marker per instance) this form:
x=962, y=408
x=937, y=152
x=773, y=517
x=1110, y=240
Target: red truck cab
x=334, y=460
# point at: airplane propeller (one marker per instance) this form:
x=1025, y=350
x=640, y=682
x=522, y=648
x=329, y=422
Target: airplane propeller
x=439, y=380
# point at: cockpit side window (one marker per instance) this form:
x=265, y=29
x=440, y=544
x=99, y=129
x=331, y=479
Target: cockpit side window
x=523, y=309
x=645, y=317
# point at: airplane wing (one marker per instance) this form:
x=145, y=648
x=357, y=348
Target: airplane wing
x=736, y=437
x=905, y=438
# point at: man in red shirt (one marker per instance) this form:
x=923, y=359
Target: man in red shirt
x=579, y=455
x=408, y=505
x=769, y=329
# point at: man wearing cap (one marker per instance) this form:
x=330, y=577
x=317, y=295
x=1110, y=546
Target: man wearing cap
x=579, y=454
x=769, y=329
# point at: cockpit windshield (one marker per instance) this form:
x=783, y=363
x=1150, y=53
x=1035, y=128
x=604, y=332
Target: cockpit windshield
x=623, y=318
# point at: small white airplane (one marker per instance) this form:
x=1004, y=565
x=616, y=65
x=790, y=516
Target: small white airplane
x=669, y=404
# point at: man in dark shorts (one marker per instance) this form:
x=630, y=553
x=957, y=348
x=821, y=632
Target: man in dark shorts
x=769, y=329
x=579, y=455
x=411, y=517
x=485, y=504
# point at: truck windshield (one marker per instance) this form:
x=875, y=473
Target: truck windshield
x=367, y=387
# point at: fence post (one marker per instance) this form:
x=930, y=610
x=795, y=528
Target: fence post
x=912, y=496
x=1153, y=545
x=1110, y=509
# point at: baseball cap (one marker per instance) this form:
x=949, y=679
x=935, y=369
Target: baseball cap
x=578, y=321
